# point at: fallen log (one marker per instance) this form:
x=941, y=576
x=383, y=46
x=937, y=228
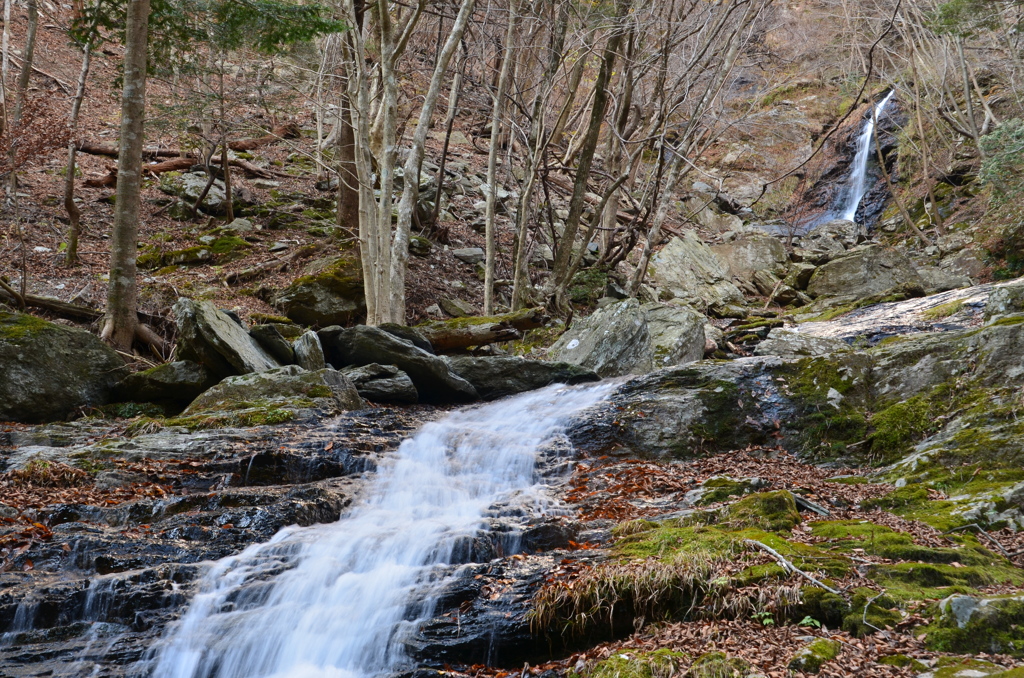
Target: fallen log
x=66, y=309
x=277, y=265
x=288, y=130
x=460, y=333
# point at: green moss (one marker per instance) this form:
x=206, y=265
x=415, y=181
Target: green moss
x=900, y=425
x=130, y=410
x=628, y=663
x=869, y=613
x=721, y=488
x=958, y=667
x=247, y=416
x=16, y=328
x=848, y=536
x=267, y=318
x=848, y=480
x=817, y=603
x=1000, y=630
x=718, y=665
x=719, y=397
x=320, y=391
x=811, y=657
x=943, y=310
x=588, y=285
x=772, y=511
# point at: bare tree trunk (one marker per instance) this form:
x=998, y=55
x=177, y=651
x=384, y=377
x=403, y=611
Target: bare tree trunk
x=23, y=77
x=449, y=122
x=224, y=165
x=348, y=193
x=5, y=64
x=74, y=215
x=563, y=251
x=411, y=181
x=575, y=76
x=492, y=160
x=536, y=146
x=121, y=322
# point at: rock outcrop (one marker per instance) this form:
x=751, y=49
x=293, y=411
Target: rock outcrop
x=870, y=271
x=48, y=371
x=382, y=383
x=173, y=385
x=688, y=270
x=289, y=387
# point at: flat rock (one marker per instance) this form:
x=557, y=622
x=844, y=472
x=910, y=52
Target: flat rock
x=750, y=253
x=470, y=255
x=280, y=385
x=790, y=344
x=498, y=376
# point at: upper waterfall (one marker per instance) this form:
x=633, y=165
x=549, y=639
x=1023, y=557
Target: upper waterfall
x=857, y=183
x=338, y=600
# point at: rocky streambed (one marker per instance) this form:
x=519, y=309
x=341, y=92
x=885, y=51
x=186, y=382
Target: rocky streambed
x=848, y=499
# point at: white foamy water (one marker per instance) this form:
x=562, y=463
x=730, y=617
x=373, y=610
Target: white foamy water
x=857, y=183
x=333, y=601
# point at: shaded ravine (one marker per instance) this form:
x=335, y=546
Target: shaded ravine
x=343, y=599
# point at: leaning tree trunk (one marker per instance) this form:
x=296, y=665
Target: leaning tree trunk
x=21, y=93
x=121, y=323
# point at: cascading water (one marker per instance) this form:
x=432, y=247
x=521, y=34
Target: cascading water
x=336, y=601
x=857, y=183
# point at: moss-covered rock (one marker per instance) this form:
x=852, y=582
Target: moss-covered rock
x=717, y=665
x=811, y=657
x=174, y=384
x=975, y=625
x=326, y=389
x=628, y=663
x=329, y=293
x=48, y=371
x=772, y=511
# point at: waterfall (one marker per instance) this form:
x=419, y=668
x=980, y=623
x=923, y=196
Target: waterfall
x=336, y=601
x=857, y=183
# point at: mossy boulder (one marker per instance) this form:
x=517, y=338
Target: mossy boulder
x=628, y=663
x=48, y=371
x=189, y=186
x=979, y=624
x=174, y=384
x=288, y=388
x=771, y=511
x=329, y=293
x=718, y=665
x=811, y=657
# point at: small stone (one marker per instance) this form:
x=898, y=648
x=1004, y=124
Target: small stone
x=265, y=183
x=239, y=226
x=433, y=309
x=457, y=308
x=279, y=246
x=470, y=255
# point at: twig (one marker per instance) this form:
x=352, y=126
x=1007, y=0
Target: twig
x=864, y=617
x=984, y=533
x=790, y=567
x=63, y=85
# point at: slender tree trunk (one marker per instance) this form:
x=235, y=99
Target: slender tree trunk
x=28, y=58
x=536, y=146
x=224, y=165
x=407, y=205
x=492, y=160
x=449, y=122
x=563, y=251
x=575, y=76
x=348, y=179
x=74, y=215
x=121, y=322
x=5, y=61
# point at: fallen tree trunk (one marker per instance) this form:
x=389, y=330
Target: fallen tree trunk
x=63, y=308
x=288, y=130
x=460, y=333
x=284, y=131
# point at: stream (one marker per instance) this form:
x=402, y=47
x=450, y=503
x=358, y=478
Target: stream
x=342, y=599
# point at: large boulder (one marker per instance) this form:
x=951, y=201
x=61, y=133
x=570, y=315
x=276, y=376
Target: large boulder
x=1003, y=301
x=751, y=253
x=632, y=338
x=329, y=293
x=189, y=186
x=498, y=376
x=874, y=270
x=362, y=345
x=979, y=624
x=382, y=383
x=173, y=384
x=282, y=387
x=689, y=270
x=47, y=371
x=309, y=355
x=217, y=341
